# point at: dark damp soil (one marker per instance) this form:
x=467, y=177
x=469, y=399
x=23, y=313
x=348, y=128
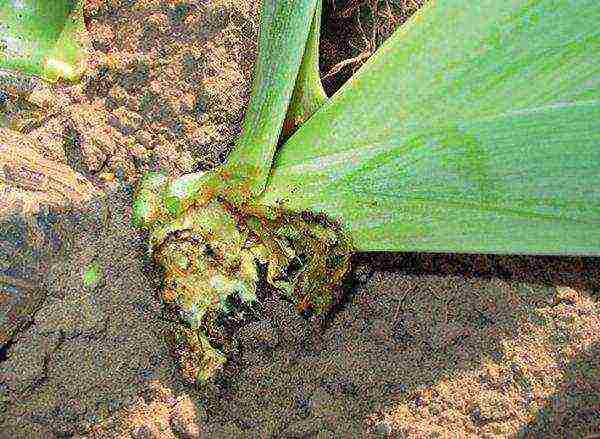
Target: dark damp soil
x=352, y=30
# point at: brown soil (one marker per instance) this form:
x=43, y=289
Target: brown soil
x=353, y=30
x=427, y=345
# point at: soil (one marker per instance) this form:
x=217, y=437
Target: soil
x=353, y=30
x=426, y=345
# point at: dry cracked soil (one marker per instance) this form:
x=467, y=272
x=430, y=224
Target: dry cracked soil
x=426, y=345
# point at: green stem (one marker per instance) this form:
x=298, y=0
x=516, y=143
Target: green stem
x=309, y=94
x=285, y=26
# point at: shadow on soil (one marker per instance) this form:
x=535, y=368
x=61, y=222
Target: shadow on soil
x=574, y=409
x=579, y=273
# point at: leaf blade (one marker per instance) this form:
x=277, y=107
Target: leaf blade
x=41, y=38
x=309, y=94
x=451, y=143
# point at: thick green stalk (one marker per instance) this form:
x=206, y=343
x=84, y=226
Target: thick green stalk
x=284, y=30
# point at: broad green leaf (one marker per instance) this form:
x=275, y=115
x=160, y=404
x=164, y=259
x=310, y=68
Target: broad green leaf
x=43, y=38
x=475, y=128
x=284, y=30
x=308, y=95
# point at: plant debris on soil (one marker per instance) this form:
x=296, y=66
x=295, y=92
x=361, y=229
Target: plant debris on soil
x=427, y=345
x=353, y=30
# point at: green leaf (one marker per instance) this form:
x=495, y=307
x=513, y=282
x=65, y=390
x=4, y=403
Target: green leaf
x=160, y=198
x=308, y=95
x=43, y=38
x=284, y=30
x=473, y=129
x=92, y=275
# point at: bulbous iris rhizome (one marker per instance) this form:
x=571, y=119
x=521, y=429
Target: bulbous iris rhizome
x=210, y=257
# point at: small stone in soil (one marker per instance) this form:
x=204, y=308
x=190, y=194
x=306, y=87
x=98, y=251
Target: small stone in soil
x=340, y=386
x=383, y=428
x=147, y=374
x=528, y=398
x=114, y=405
x=497, y=355
x=516, y=369
x=420, y=402
x=143, y=432
x=120, y=173
x=476, y=415
x=303, y=406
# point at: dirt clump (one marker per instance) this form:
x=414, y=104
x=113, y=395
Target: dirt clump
x=174, y=75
